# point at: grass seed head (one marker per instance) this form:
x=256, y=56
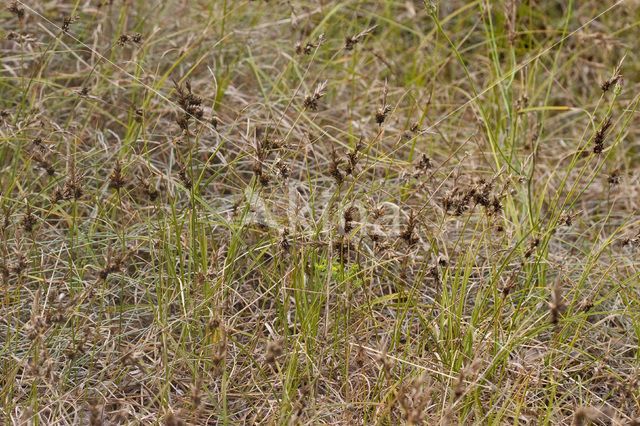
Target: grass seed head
x=351, y=41
x=353, y=158
x=117, y=180
x=263, y=177
x=95, y=410
x=184, y=178
x=407, y=234
x=274, y=351
x=616, y=77
x=283, y=168
x=334, y=169
x=125, y=39
x=531, y=247
x=72, y=188
x=556, y=305
x=29, y=219
x=598, y=138
x=215, y=121
x=381, y=114
x=349, y=216
x=171, y=419
x=615, y=177
x=6, y=218
x=196, y=394
x=308, y=48
x=566, y=218
x=66, y=23
x=44, y=163
x=190, y=104
x=384, y=359
x=16, y=9
x=424, y=164
x=151, y=191
x=586, y=415
x=138, y=115
x=311, y=100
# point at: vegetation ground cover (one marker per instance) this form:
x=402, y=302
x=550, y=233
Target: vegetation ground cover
x=319, y=212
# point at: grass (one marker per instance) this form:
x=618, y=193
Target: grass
x=319, y=212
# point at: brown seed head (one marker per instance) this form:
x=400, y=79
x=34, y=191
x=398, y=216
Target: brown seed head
x=351, y=41
x=586, y=415
x=274, y=350
x=381, y=114
x=311, y=100
x=598, y=138
x=66, y=23
x=29, y=220
x=117, y=180
x=16, y=9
